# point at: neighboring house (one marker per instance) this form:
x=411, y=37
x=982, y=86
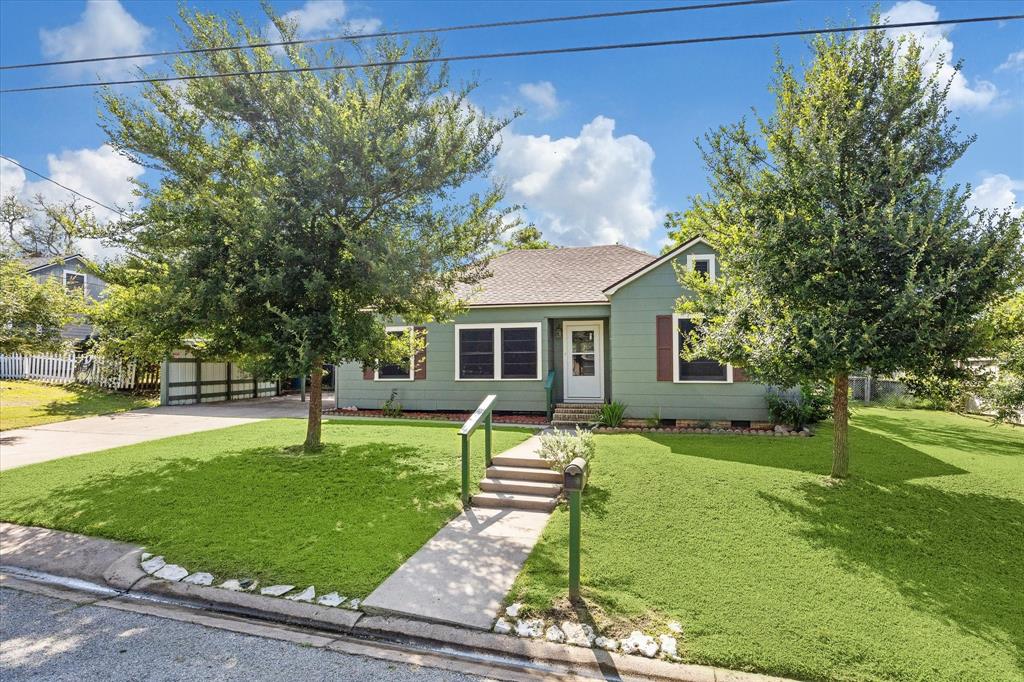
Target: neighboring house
x=71, y=271
x=600, y=318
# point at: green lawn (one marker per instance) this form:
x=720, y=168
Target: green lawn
x=239, y=502
x=27, y=403
x=911, y=570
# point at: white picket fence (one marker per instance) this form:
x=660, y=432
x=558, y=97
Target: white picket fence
x=65, y=369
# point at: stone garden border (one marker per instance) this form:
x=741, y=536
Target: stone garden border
x=778, y=431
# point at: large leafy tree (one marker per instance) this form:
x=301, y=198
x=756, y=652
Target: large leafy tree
x=297, y=212
x=44, y=227
x=842, y=245
x=32, y=313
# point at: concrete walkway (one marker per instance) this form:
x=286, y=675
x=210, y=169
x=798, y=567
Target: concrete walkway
x=463, y=573
x=19, y=447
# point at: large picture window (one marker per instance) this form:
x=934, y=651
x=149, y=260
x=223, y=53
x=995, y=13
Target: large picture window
x=402, y=372
x=699, y=369
x=498, y=351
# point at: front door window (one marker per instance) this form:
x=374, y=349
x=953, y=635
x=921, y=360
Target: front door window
x=583, y=353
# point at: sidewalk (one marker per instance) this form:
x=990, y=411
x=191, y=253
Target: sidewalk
x=464, y=572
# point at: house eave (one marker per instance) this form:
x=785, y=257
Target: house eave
x=653, y=264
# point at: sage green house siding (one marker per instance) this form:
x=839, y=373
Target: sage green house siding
x=441, y=391
x=634, y=309
x=629, y=342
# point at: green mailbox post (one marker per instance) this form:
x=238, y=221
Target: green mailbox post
x=574, y=479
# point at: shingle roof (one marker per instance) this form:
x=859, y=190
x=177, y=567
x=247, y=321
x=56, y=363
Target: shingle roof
x=36, y=262
x=564, y=275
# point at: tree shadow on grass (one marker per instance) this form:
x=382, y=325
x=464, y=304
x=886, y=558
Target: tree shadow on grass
x=88, y=402
x=344, y=517
x=990, y=440
x=957, y=555
x=873, y=457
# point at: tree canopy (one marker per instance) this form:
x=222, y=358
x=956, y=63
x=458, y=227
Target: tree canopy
x=297, y=213
x=527, y=237
x=842, y=245
x=32, y=313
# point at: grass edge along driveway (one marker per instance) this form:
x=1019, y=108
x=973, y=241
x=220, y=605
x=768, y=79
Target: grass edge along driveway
x=30, y=403
x=910, y=570
x=241, y=502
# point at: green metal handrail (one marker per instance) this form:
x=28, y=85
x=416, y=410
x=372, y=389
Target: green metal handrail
x=482, y=414
x=549, y=390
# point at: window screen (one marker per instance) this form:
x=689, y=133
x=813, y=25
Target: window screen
x=394, y=371
x=476, y=353
x=700, y=369
x=519, y=353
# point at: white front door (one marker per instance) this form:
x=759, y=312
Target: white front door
x=583, y=363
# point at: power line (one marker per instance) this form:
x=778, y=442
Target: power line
x=391, y=34
x=525, y=53
x=62, y=186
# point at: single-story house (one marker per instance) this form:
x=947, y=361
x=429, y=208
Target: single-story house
x=597, y=324
x=72, y=272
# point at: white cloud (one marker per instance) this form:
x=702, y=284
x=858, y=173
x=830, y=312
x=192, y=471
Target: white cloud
x=100, y=173
x=543, y=95
x=935, y=46
x=104, y=29
x=320, y=18
x=997, y=192
x=591, y=189
x=1014, y=62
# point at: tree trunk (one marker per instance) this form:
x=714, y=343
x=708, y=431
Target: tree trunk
x=841, y=423
x=313, y=421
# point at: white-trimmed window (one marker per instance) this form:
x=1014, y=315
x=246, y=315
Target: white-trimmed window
x=74, y=281
x=698, y=370
x=403, y=372
x=702, y=263
x=505, y=352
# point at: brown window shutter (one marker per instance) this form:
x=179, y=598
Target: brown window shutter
x=368, y=373
x=738, y=374
x=420, y=362
x=663, y=334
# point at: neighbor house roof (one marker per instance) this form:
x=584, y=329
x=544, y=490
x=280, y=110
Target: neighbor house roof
x=554, y=276
x=37, y=262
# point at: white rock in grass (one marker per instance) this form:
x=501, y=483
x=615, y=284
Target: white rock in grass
x=154, y=564
x=674, y=627
x=554, y=634
x=306, y=595
x=607, y=643
x=513, y=610
x=244, y=585
x=276, y=590
x=354, y=604
x=577, y=634
x=199, y=579
x=639, y=643
x=171, y=572
x=503, y=627
x=330, y=599
x=146, y=555
x=668, y=645
x=530, y=628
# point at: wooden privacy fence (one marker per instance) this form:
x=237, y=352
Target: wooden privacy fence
x=92, y=370
x=189, y=380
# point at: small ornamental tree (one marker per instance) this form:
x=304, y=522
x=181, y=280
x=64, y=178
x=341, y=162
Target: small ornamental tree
x=296, y=213
x=841, y=245
x=32, y=313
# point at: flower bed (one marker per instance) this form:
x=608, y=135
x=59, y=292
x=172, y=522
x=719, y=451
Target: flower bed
x=777, y=431
x=530, y=419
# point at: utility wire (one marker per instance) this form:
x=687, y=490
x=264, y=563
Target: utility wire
x=73, y=191
x=390, y=34
x=525, y=53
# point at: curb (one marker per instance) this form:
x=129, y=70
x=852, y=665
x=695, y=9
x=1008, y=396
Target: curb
x=124, y=575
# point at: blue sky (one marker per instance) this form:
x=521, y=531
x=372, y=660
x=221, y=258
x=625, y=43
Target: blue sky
x=606, y=144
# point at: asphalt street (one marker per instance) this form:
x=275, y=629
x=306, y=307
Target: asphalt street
x=43, y=638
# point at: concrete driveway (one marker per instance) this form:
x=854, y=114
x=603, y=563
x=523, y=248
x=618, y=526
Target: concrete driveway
x=19, y=447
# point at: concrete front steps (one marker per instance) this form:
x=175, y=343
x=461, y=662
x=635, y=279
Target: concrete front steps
x=520, y=479
x=571, y=415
